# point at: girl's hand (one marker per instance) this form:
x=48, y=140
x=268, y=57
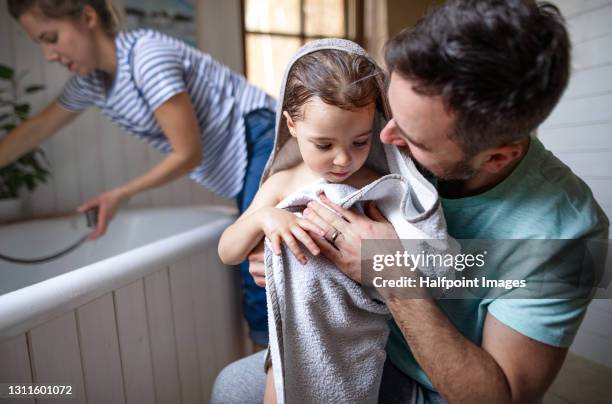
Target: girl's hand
x=107, y=204
x=280, y=225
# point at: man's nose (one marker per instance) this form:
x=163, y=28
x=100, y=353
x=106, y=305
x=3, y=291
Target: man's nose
x=390, y=134
x=387, y=133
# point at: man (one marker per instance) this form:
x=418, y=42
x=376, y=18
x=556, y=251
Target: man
x=468, y=85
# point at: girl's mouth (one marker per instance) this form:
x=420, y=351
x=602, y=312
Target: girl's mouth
x=339, y=174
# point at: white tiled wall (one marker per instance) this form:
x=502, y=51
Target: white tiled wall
x=91, y=154
x=579, y=132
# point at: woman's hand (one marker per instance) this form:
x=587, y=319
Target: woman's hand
x=257, y=268
x=279, y=225
x=351, y=228
x=107, y=204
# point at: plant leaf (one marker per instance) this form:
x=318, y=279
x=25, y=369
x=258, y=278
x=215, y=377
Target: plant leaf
x=22, y=110
x=6, y=73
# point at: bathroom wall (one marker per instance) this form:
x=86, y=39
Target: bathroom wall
x=579, y=132
x=92, y=155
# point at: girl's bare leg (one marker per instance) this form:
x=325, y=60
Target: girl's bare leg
x=270, y=392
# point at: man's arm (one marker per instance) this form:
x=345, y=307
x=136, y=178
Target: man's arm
x=508, y=367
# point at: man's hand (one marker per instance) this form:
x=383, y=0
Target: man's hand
x=256, y=265
x=352, y=228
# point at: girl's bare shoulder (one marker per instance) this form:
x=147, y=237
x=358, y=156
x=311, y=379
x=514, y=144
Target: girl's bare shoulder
x=285, y=182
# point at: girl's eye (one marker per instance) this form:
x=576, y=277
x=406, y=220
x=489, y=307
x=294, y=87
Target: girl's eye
x=51, y=38
x=361, y=144
x=322, y=146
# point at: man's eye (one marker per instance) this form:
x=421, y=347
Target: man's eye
x=322, y=146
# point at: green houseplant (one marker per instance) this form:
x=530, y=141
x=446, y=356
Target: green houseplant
x=31, y=169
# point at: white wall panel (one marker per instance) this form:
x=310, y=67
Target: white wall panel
x=579, y=132
x=186, y=336
x=573, y=8
x=589, y=164
x=15, y=365
x=591, y=137
x=581, y=111
x=601, y=189
x=88, y=157
x=592, y=53
x=137, y=163
x=100, y=351
x=55, y=355
x=163, y=340
x=592, y=24
x=204, y=307
x=132, y=327
x=594, y=81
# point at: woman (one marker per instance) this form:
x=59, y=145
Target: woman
x=206, y=119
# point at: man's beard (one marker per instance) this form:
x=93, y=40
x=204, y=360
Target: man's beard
x=462, y=171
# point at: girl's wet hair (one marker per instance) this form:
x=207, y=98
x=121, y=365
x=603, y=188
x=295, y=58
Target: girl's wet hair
x=107, y=13
x=338, y=78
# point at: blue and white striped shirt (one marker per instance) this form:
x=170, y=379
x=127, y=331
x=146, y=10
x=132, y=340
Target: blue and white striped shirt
x=153, y=67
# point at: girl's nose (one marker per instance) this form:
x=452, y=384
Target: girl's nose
x=342, y=159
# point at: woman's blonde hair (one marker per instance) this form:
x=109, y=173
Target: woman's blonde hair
x=107, y=12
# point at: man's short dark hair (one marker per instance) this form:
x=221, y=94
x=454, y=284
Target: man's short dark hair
x=499, y=65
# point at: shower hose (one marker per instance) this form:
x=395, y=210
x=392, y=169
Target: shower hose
x=92, y=219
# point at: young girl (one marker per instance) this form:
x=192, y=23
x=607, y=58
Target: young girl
x=329, y=106
x=207, y=119
x=330, y=102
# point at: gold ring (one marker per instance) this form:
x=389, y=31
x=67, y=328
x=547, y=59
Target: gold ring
x=335, y=236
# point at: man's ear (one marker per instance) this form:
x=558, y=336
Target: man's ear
x=290, y=123
x=90, y=16
x=498, y=158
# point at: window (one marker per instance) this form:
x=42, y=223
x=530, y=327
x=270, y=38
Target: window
x=275, y=29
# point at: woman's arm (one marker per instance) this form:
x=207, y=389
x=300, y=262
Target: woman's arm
x=177, y=119
x=262, y=218
x=33, y=131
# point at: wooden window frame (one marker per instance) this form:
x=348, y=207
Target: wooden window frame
x=353, y=27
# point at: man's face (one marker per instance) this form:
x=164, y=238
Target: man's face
x=421, y=128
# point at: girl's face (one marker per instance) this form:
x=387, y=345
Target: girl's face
x=64, y=40
x=334, y=142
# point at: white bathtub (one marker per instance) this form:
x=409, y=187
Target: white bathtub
x=147, y=313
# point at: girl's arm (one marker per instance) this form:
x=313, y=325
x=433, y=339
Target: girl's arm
x=178, y=121
x=262, y=218
x=33, y=131
x=239, y=239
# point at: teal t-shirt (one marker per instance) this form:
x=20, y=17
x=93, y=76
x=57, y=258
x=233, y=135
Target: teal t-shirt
x=540, y=199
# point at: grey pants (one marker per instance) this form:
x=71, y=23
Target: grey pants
x=244, y=381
